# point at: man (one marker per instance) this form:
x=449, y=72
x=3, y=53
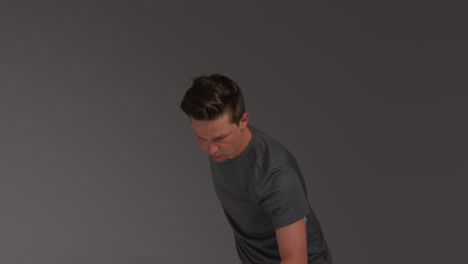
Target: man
x=257, y=180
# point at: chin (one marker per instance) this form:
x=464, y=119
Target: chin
x=220, y=158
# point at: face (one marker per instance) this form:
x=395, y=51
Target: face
x=220, y=138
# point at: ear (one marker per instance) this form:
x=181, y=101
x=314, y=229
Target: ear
x=244, y=121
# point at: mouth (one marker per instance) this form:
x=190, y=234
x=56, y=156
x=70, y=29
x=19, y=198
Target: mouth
x=215, y=157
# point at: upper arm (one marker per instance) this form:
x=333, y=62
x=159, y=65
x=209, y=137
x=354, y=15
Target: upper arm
x=292, y=242
x=282, y=195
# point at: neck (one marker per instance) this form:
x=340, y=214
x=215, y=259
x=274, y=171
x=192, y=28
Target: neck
x=247, y=137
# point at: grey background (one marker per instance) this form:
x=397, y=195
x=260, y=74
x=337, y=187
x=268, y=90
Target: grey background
x=99, y=165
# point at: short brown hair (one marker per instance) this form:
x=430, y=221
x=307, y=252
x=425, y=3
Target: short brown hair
x=210, y=96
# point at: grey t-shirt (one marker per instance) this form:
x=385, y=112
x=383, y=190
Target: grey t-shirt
x=261, y=190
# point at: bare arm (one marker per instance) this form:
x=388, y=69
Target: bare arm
x=292, y=243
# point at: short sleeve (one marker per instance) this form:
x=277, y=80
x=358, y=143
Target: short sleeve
x=282, y=195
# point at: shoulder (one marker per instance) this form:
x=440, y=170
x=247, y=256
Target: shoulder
x=269, y=153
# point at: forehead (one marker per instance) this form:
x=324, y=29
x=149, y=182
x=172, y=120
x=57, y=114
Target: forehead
x=213, y=128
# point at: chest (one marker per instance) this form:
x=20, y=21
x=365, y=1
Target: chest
x=235, y=189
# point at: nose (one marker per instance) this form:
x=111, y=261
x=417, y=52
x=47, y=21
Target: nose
x=212, y=148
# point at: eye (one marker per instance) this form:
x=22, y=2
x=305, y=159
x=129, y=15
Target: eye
x=220, y=138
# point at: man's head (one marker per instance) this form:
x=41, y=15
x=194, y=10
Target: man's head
x=215, y=105
x=212, y=96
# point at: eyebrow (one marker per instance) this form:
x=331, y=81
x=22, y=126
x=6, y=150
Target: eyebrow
x=221, y=137
x=216, y=138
